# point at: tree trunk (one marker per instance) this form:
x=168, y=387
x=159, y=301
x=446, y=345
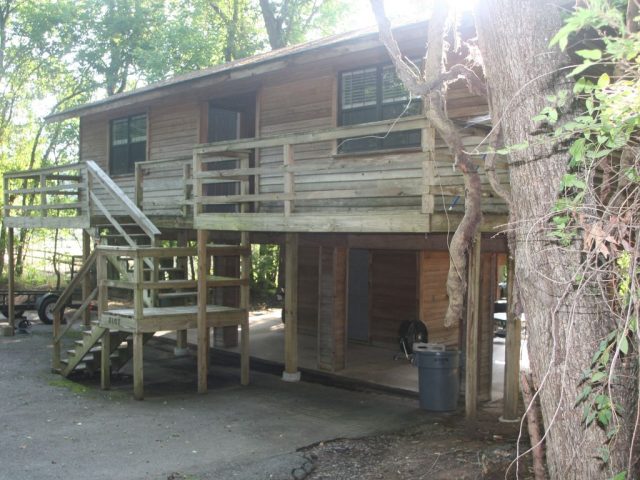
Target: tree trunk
x=273, y=24
x=565, y=324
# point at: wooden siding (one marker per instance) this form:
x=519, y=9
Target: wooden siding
x=393, y=294
x=299, y=106
x=173, y=131
x=434, y=267
x=308, y=258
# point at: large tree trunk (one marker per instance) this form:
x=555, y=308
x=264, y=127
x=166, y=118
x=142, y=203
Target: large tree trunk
x=565, y=324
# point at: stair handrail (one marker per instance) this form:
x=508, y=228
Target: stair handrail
x=63, y=299
x=138, y=216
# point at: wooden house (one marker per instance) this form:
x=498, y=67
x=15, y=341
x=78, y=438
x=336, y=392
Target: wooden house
x=316, y=147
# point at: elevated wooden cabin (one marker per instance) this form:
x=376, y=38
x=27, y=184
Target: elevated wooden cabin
x=316, y=147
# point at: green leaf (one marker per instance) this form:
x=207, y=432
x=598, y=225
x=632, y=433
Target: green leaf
x=580, y=68
x=596, y=377
x=620, y=476
x=604, y=80
x=594, y=54
x=623, y=345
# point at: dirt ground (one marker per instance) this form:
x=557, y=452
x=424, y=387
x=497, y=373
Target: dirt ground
x=448, y=448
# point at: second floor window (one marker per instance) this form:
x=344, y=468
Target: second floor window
x=373, y=94
x=128, y=144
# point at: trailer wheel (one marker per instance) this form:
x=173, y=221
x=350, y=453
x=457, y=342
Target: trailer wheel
x=45, y=309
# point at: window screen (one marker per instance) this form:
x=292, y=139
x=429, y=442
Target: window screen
x=373, y=94
x=128, y=144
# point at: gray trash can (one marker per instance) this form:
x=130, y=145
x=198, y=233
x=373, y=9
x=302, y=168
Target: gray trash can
x=438, y=379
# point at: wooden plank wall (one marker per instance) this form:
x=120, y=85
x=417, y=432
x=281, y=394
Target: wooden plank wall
x=393, y=294
x=288, y=108
x=434, y=267
x=308, y=258
x=433, y=294
x=173, y=131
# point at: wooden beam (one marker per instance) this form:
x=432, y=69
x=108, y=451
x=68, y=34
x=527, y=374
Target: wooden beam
x=405, y=222
x=471, y=352
x=291, y=372
x=512, y=350
x=332, y=311
x=203, y=329
x=320, y=135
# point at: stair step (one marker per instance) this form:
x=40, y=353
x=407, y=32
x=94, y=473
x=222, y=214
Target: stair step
x=117, y=235
x=178, y=294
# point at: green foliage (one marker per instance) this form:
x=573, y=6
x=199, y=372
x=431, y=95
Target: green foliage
x=265, y=261
x=599, y=138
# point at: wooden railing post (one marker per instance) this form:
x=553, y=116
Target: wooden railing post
x=43, y=194
x=289, y=179
x=188, y=190
x=428, y=142
x=139, y=187
x=197, y=184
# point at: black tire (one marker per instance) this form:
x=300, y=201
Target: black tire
x=410, y=332
x=45, y=309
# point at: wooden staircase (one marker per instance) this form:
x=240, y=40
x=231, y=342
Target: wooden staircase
x=133, y=229
x=85, y=357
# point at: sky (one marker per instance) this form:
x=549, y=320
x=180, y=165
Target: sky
x=399, y=11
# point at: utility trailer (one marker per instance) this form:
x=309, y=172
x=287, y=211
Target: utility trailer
x=41, y=301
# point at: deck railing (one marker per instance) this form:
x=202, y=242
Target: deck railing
x=48, y=197
x=163, y=187
x=295, y=190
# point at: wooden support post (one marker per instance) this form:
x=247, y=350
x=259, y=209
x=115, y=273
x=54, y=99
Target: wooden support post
x=101, y=278
x=291, y=372
x=245, y=274
x=332, y=311
x=105, y=361
x=11, y=287
x=512, y=350
x=86, y=281
x=138, y=366
x=138, y=342
x=203, y=329
x=471, y=352
x=181, y=348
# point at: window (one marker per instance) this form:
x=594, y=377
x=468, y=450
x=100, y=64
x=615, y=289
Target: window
x=373, y=94
x=128, y=144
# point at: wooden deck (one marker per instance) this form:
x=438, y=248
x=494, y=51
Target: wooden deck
x=154, y=319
